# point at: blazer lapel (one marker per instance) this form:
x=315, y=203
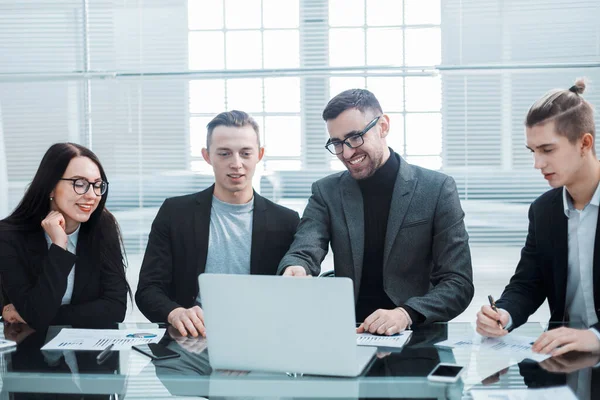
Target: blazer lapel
x=559, y=226
x=37, y=248
x=259, y=231
x=403, y=190
x=83, y=268
x=201, y=229
x=352, y=204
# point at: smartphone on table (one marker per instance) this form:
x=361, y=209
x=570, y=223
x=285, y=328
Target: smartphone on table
x=447, y=373
x=156, y=351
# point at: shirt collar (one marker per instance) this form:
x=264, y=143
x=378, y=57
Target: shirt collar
x=568, y=202
x=72, y=238
x=231, y=207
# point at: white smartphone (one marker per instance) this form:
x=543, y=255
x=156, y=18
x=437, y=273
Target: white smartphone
x=444, y=372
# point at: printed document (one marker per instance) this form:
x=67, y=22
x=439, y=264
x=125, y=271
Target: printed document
x=553, y=393
x=368, y=339
x=517, y=346
x=488, y=356
x=99, y=339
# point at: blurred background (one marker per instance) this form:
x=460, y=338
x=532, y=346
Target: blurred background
x=137, y=81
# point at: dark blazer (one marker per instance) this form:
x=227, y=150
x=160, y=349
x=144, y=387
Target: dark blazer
x=178, y=246
x=34, y=280
x=542, y=270
x=426, y=258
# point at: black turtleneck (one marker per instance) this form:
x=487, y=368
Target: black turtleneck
x=377, y=191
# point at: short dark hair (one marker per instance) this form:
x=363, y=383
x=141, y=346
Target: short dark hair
x=361, y=99
x=231, y=118
x=572, y=114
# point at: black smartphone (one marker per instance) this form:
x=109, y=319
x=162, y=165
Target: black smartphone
x=445, y=372
x=156, y=351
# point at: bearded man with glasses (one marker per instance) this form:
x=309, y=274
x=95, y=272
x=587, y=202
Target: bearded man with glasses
x=395, y=229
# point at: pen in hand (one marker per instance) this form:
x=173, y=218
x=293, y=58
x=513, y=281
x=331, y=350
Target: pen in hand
x=493, y=305
x=104, y=354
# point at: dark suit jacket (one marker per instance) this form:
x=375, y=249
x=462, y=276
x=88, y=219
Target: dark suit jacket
x=34, y=280
x=426, y=258
x=178, y=246
x=542, y=270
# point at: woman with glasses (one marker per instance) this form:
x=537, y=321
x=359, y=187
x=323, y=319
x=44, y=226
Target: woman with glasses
x=61, y=259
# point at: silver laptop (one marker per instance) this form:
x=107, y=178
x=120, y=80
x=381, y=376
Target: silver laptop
x=282, y=324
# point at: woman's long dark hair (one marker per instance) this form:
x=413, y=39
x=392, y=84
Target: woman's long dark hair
x=101, y=233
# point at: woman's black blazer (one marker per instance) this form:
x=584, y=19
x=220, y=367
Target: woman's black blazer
x=34, y=280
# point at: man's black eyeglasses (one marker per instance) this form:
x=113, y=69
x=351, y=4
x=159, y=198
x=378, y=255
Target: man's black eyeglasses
x=337, y=146
x=81, y=186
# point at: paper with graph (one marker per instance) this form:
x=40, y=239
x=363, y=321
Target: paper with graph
x=488, y=356
x=99, y=339
x=518, y=346
x=398, y=340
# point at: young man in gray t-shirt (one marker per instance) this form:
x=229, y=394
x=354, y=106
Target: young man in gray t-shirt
x=227, y=228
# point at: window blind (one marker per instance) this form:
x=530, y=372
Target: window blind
x=495, y=64
x=137, y=81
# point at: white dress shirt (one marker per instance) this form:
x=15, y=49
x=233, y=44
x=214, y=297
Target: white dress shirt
x=72, y=247
x=580, y=277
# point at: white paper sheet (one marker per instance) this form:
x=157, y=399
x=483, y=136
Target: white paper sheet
x=4, y=343
x=490, y=355
x=562, y=393
x=367, y=339
x=99, y=339
x=519, y=347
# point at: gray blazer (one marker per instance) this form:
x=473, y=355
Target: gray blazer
x=426, y=260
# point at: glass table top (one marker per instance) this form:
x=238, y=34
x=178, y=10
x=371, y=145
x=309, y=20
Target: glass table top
x=28, y=372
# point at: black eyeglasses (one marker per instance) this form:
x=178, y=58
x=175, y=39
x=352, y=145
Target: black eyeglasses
x=337, y=146
x=81, y=186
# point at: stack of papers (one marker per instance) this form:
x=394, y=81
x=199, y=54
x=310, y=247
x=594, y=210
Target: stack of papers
x=490, y=355
x=397, y=341
x=517, y=347
x=99, y=339
x=562, y=392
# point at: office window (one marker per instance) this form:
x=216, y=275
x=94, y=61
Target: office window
x=455, y=77
x=247, y=35
x=386, y=33
x=494, y=66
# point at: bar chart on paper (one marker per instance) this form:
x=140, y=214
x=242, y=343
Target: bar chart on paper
x=102, y=343
x=397, y=341
x=70, y=343
x=99, y=339
x=509, y=345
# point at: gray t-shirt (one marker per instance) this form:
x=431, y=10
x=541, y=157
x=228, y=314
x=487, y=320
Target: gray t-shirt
x=229, y=238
